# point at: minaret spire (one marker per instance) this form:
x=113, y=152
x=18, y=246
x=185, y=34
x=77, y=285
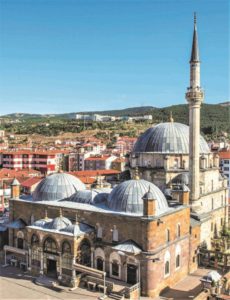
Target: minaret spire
x=195, y=47
x=194, y=97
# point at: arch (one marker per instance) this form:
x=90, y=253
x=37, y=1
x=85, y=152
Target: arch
x=20, y=235
x=99, y=252
x=50, y=246
x=115, y=265
x=85, y=253
x=34, y=239
x=99, y=260
x=66, y=255
x=20, y=240
x=66, y=247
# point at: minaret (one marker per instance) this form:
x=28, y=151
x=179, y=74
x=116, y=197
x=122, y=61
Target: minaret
x=194, y=97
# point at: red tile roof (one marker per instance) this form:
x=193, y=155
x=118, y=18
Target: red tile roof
x=31, y=181
x=94, y=173
x=8, y=173
x=98, y=157
x=224, y=154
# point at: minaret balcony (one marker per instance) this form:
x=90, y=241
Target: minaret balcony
x=195, y=95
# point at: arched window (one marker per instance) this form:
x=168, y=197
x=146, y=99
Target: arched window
x=115, y=268
x=167, y=263
x=167, y=235
x=100, y=264
x=66, y=248
x=66, y=255
x=115, y=234
x=178, y=230
x=178, y=261
x=50, y=246
x=167, y=267
x=20, y=240
x=176, y=163
x=34, y=240
x=85, y=253
x=99, y=231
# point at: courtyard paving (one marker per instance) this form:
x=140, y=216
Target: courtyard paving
x=14, y=284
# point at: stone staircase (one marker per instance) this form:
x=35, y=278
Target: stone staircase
x=116, y=296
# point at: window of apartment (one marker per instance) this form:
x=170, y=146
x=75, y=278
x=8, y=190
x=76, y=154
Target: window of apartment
x=226, y=168
x=226, y=162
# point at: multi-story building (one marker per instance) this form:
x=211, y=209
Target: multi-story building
x=44, y=161
x=125, y=144
x=99, y=162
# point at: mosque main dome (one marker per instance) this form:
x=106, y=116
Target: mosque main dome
x=57, y=186
x=128, y=197
x=168, y=137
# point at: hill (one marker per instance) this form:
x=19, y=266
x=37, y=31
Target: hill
x=214, y=117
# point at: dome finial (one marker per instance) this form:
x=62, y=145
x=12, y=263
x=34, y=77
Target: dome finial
x=76, y=219
x=171, y=117
x=136, y=174
x=60, y=213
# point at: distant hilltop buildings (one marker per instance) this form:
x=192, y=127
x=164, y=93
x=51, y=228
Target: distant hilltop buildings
x=103, y=118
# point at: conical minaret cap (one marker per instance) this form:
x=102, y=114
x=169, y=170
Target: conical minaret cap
x=195, y=47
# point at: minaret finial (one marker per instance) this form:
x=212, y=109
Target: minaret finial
x=136, y=174
x=194, y=18
x=171, y=117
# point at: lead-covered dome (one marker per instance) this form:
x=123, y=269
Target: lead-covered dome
x=128, y=197
x=59, y=223
x=57, y=186
x=168, y=137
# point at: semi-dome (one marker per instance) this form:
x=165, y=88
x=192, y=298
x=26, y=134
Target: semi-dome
x=168, y=137
x=128, y=197
x=57, y=186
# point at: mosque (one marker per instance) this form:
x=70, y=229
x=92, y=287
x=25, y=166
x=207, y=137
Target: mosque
x=146, y=230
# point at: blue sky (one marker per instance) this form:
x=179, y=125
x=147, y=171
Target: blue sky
x=61, y=56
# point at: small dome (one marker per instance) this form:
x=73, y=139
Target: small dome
x=90, y=197
x=42, y=222
x=182, y=178
x=57, y=186
x=59, y=223
x=128, y=197
x=78, y=229
x=168, y=137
